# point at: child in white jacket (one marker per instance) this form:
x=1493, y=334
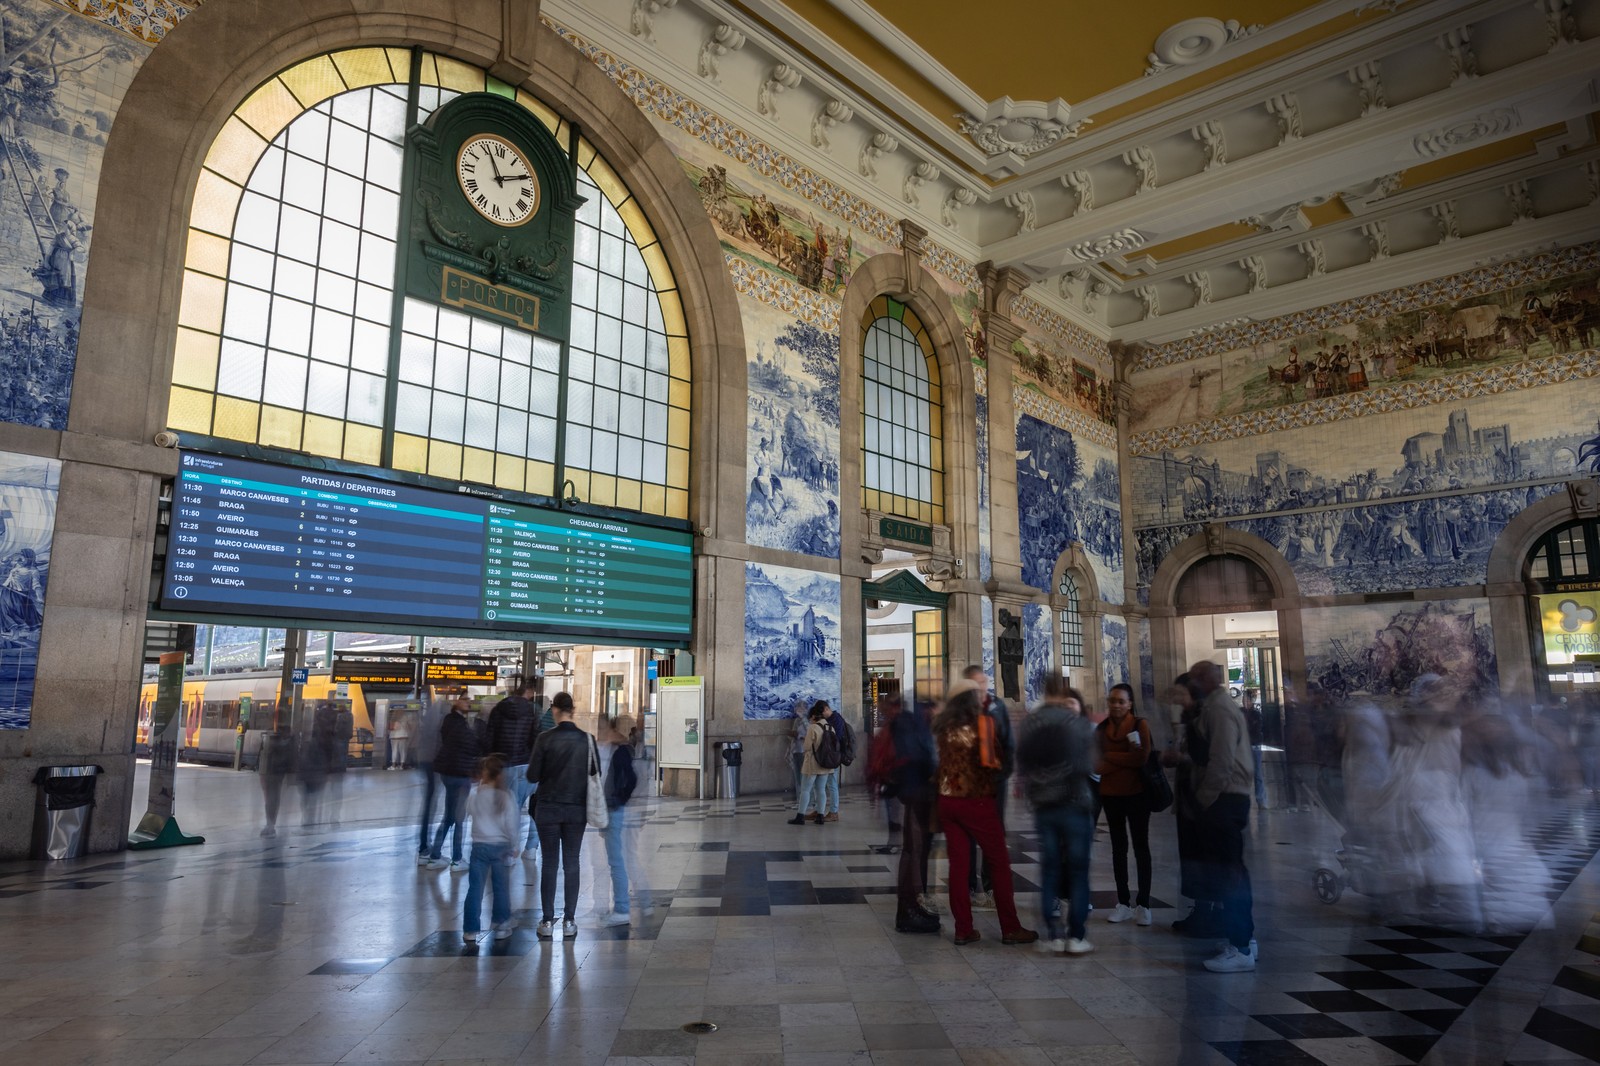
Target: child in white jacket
x=496, y=829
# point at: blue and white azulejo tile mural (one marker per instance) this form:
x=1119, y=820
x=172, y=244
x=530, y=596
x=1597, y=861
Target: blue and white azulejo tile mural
x=29, y=486
x=791, y=639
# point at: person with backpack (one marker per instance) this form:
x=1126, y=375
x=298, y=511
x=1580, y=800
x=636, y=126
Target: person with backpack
x=982, y=874
x=1056, y=756
x=822, y=759
x=620, y=779
x=1125, y=746
x=847, y=755
x=906, y=767
x=970, y=766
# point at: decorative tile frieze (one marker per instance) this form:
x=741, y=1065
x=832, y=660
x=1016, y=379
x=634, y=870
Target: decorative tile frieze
x=1549, y=370
x=143, y=20
x=1058, y=326
x=785, y=294
x=1029, y=401
x=688, y=115
x=1477, y=281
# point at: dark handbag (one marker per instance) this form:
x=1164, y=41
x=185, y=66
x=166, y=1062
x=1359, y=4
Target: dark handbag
x=1157, y=789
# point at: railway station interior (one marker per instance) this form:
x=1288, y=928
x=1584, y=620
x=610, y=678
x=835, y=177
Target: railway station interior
x=706, y=359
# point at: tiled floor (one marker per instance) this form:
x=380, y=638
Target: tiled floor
x=327, y=944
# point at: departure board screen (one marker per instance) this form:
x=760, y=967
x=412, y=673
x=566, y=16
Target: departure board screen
x=259, y=539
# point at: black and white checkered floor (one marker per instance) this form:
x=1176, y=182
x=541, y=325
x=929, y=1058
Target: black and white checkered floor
x=328, y=944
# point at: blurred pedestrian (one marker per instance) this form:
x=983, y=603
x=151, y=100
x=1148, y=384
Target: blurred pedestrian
x=274, y=764
x=1203, y=920
x=620, y=779
x=881, y=787
x=1499, y=782
x=513, y=725
x=847, y=755
x=1056, y=755
x=559, y=766
x=1125, y=746
x=496, y=828
x=971, y=773
x=797, y=746
x=1222, y=787
x=912, y=779
x=427, y=734
x=460, y=748
x=400, y=727
x=980, y=875
x=1589, y=742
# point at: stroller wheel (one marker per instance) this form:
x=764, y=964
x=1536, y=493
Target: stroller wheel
x=1327, y=885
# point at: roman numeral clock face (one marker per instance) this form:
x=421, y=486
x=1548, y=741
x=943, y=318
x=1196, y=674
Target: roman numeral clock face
x=497, y=181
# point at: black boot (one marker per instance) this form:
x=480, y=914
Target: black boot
x=916, y=920
x=817, y=818
x=798, y=819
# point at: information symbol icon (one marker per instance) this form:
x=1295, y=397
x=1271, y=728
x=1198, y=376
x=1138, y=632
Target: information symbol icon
x=180, y=592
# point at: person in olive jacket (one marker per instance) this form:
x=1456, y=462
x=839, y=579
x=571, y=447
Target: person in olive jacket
x=456, y=763
x=559, y=767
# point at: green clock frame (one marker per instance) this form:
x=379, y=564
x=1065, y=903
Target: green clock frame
x=518, y=275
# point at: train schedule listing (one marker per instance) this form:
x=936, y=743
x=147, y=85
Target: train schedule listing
x=316, y=544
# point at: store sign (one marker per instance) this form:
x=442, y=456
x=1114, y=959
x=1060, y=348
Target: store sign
x=1571, y=625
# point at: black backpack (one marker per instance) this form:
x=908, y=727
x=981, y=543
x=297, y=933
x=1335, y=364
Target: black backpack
x=847, y=741
x=827, y=754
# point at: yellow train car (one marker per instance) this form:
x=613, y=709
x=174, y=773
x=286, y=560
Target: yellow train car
x=212, y=708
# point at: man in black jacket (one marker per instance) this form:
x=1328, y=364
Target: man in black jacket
x=513, y=725
x=559, y=767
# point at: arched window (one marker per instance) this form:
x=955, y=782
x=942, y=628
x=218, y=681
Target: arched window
x=1069, y=621
x=1566, y=553
x=902, y=449
x=292, y=335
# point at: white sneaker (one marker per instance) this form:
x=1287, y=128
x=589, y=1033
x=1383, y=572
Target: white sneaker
x=422, y=858
x=1075, y=946
x=469, y=938
x=615, y=919
x=503, y=930
x=1144, y=915
x=982, y=901
x=438, y=864
x=569, y=929
x=1232, y=960
x=1122, y=913
x=459, y=866
x=1051, y=947
x=545, y=930
x=929, y=904
x=502, y=934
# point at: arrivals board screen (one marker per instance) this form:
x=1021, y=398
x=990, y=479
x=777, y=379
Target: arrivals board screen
x=259, y=539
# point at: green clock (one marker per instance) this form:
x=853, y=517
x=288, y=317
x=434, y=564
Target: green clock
x=492, y=200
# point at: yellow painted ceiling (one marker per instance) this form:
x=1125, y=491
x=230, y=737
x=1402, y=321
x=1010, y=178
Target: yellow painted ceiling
x=1030, y=50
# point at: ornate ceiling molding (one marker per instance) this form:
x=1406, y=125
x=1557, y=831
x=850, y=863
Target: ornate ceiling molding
x=1194, y=41
x=1494, y=123
x=1021, y=128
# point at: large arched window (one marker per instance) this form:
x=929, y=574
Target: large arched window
x=292, y=335
x=902, y=443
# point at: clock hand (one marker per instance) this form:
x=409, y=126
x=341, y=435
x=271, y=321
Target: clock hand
x=495, y=167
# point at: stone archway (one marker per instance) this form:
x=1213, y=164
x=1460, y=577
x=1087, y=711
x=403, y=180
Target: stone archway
x=1507, y=592
x=1166, y=625
x=89, y=667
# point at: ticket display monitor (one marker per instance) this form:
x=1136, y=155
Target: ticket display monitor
x=263, y=540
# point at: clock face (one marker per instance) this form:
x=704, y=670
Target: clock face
x=497, y=181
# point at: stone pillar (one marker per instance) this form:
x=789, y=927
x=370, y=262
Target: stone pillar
x=1133, y=612
x=1007, y=591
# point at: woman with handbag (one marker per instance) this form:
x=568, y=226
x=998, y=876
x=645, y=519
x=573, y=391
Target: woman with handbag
x=560, y=764
x=1125, y=748
x=970, y=765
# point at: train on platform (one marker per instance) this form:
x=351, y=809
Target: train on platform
x=212, y=708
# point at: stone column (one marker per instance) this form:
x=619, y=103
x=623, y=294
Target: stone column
x=1133, y=612
x=1006, y=589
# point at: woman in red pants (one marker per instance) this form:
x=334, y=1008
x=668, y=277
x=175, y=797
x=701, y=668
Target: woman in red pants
x=969, y=774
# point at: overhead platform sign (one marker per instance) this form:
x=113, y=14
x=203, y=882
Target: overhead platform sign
x=450, y=673
x=374, y=672
x=314, y=546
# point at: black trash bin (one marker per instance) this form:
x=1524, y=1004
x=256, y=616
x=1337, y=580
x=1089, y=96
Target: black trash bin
x=61, y=817
x=732, y=759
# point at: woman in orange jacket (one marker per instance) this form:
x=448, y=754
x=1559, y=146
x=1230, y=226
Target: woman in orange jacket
x=1124, y=747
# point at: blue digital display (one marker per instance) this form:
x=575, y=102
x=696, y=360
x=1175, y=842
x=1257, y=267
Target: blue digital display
x=258, y=539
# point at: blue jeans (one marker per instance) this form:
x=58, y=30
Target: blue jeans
x=455, y=805
x=812, y=783
x=831, y=791
x=522, y=788
x=430, y=786
x=490, y=860
x=616, y=846
x=1064, y=837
